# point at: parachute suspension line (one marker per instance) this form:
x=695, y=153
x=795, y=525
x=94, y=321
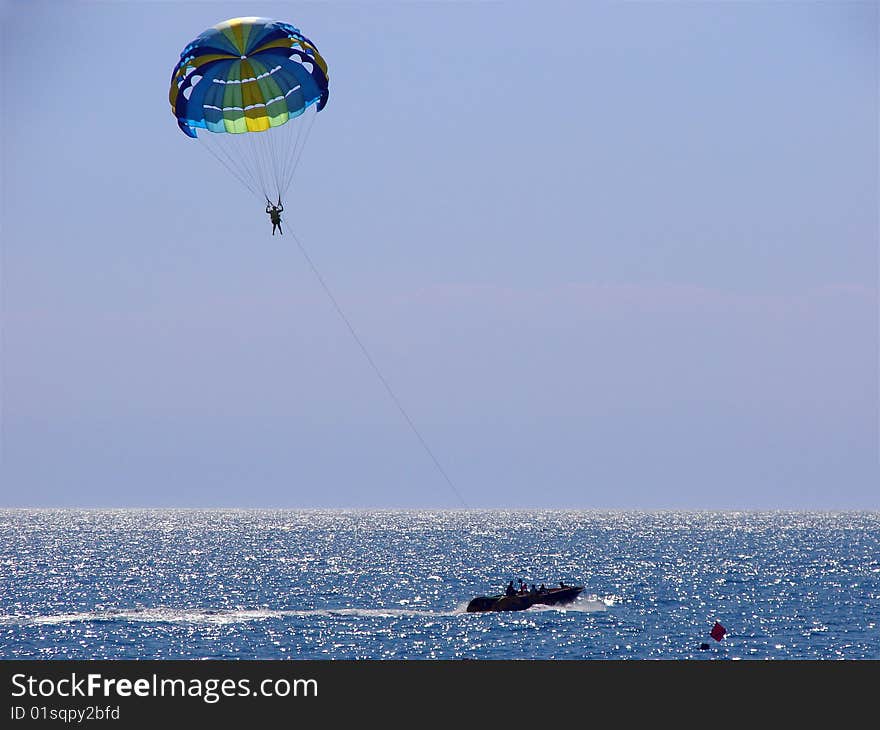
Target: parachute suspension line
x=284, y=144
x=252, y=154
x=291, y=140
x=276, y=160
x=298, y=147
x=257, y=153
x=264, y=162
x=375, y=367
x=274, y=139
x=229, y=166
x=234, y=149
x=249, y=155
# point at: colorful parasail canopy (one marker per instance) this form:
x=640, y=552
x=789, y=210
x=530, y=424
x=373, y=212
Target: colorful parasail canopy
x=250, y=75
x=246, y=75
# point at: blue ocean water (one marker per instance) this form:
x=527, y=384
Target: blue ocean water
x=237, y=584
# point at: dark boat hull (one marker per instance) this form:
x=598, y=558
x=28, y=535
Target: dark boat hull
x=520, y=602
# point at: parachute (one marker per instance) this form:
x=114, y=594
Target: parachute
x=254, y=85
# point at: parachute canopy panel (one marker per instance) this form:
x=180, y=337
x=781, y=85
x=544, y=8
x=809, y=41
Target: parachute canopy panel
x=247, y=75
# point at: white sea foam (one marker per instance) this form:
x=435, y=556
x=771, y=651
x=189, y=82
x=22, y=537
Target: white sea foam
x=212, y=617
x=159, y=615
x=584, y=604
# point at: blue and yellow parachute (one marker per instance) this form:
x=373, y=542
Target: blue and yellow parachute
x=250, y=83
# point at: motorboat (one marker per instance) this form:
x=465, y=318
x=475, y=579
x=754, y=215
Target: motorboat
x=525, y=599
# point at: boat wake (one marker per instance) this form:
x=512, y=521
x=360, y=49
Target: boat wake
x=210, y=617
x=163, y=615
x=585, y=604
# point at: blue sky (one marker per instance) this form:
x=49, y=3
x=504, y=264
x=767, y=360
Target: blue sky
x=607, y=254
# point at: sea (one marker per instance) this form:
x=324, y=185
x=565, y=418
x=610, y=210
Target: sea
x=334, y=584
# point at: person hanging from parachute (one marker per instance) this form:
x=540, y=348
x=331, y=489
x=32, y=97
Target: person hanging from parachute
x=243, y=88
x=274, y=212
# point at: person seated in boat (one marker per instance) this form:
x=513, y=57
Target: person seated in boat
x=534, y=590
x=510, y=590
x=542, y=589
x=562, y=585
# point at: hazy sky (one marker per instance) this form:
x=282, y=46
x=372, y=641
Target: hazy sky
x=607, y=254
